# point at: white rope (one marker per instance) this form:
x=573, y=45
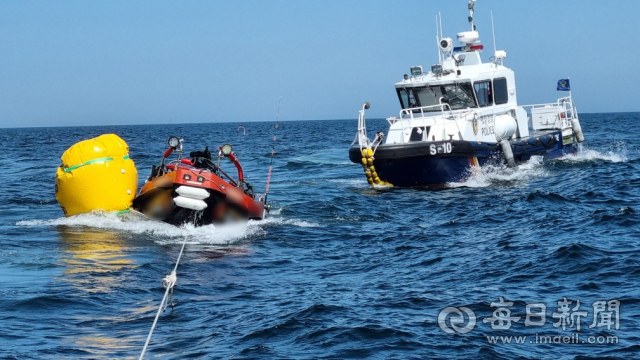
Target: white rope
x=167, y=282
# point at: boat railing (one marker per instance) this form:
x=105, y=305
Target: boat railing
x=440, y=113
x=408, y=114
x=565, y=111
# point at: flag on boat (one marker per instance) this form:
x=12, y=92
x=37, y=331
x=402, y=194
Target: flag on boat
x=563, y=85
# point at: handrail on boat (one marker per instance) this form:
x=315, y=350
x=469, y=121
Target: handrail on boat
x=565, y=106
x=408, y=114
x=411, y=111
x=561, y=100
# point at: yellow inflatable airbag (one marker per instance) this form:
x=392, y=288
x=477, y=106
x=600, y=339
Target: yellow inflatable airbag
x=96, y=174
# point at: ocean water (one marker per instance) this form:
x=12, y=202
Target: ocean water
x=339, y=270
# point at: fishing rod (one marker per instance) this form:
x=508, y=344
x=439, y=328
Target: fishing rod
x=273, y=150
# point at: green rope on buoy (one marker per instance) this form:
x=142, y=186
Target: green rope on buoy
x=70, y=169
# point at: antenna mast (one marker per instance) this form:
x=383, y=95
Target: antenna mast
x=438, y=41
x=472, y=5
x=493, y=30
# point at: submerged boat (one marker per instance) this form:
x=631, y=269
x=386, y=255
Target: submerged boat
x=462, y=113
x=196, y=190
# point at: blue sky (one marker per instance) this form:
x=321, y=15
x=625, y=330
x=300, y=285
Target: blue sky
x=137, y=62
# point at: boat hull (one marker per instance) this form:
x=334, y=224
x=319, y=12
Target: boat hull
x=194, y=196
x=434, y=164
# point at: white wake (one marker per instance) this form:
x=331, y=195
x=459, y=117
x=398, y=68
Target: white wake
x=165, y=233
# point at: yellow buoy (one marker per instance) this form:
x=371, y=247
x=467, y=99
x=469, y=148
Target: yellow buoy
x=364, y=161
x=373, y=169
x=96, y=174
x=364, y=153
x=369, y=153
x=370, y=161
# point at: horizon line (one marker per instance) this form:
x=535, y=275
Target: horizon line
x=229, y=122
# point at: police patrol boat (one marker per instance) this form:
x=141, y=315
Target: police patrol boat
x=462, y=113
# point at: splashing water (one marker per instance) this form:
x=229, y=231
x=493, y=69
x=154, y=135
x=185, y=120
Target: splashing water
x=616, y=153
x=492, y=175
x=164, y=233
x=480, y=177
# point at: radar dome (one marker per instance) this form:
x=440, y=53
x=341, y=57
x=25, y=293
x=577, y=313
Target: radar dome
x=468, y=37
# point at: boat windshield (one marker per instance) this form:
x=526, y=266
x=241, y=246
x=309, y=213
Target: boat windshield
x=460, y=96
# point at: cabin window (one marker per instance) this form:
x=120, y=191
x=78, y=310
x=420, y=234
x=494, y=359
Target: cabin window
x=458, y=95
x=500, y=92
x=483, y=93
x=407, y=98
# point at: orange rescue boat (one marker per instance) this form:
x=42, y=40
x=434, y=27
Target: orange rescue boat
x=196, y=190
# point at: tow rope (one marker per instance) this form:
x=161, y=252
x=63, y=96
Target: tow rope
x=168, y=283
